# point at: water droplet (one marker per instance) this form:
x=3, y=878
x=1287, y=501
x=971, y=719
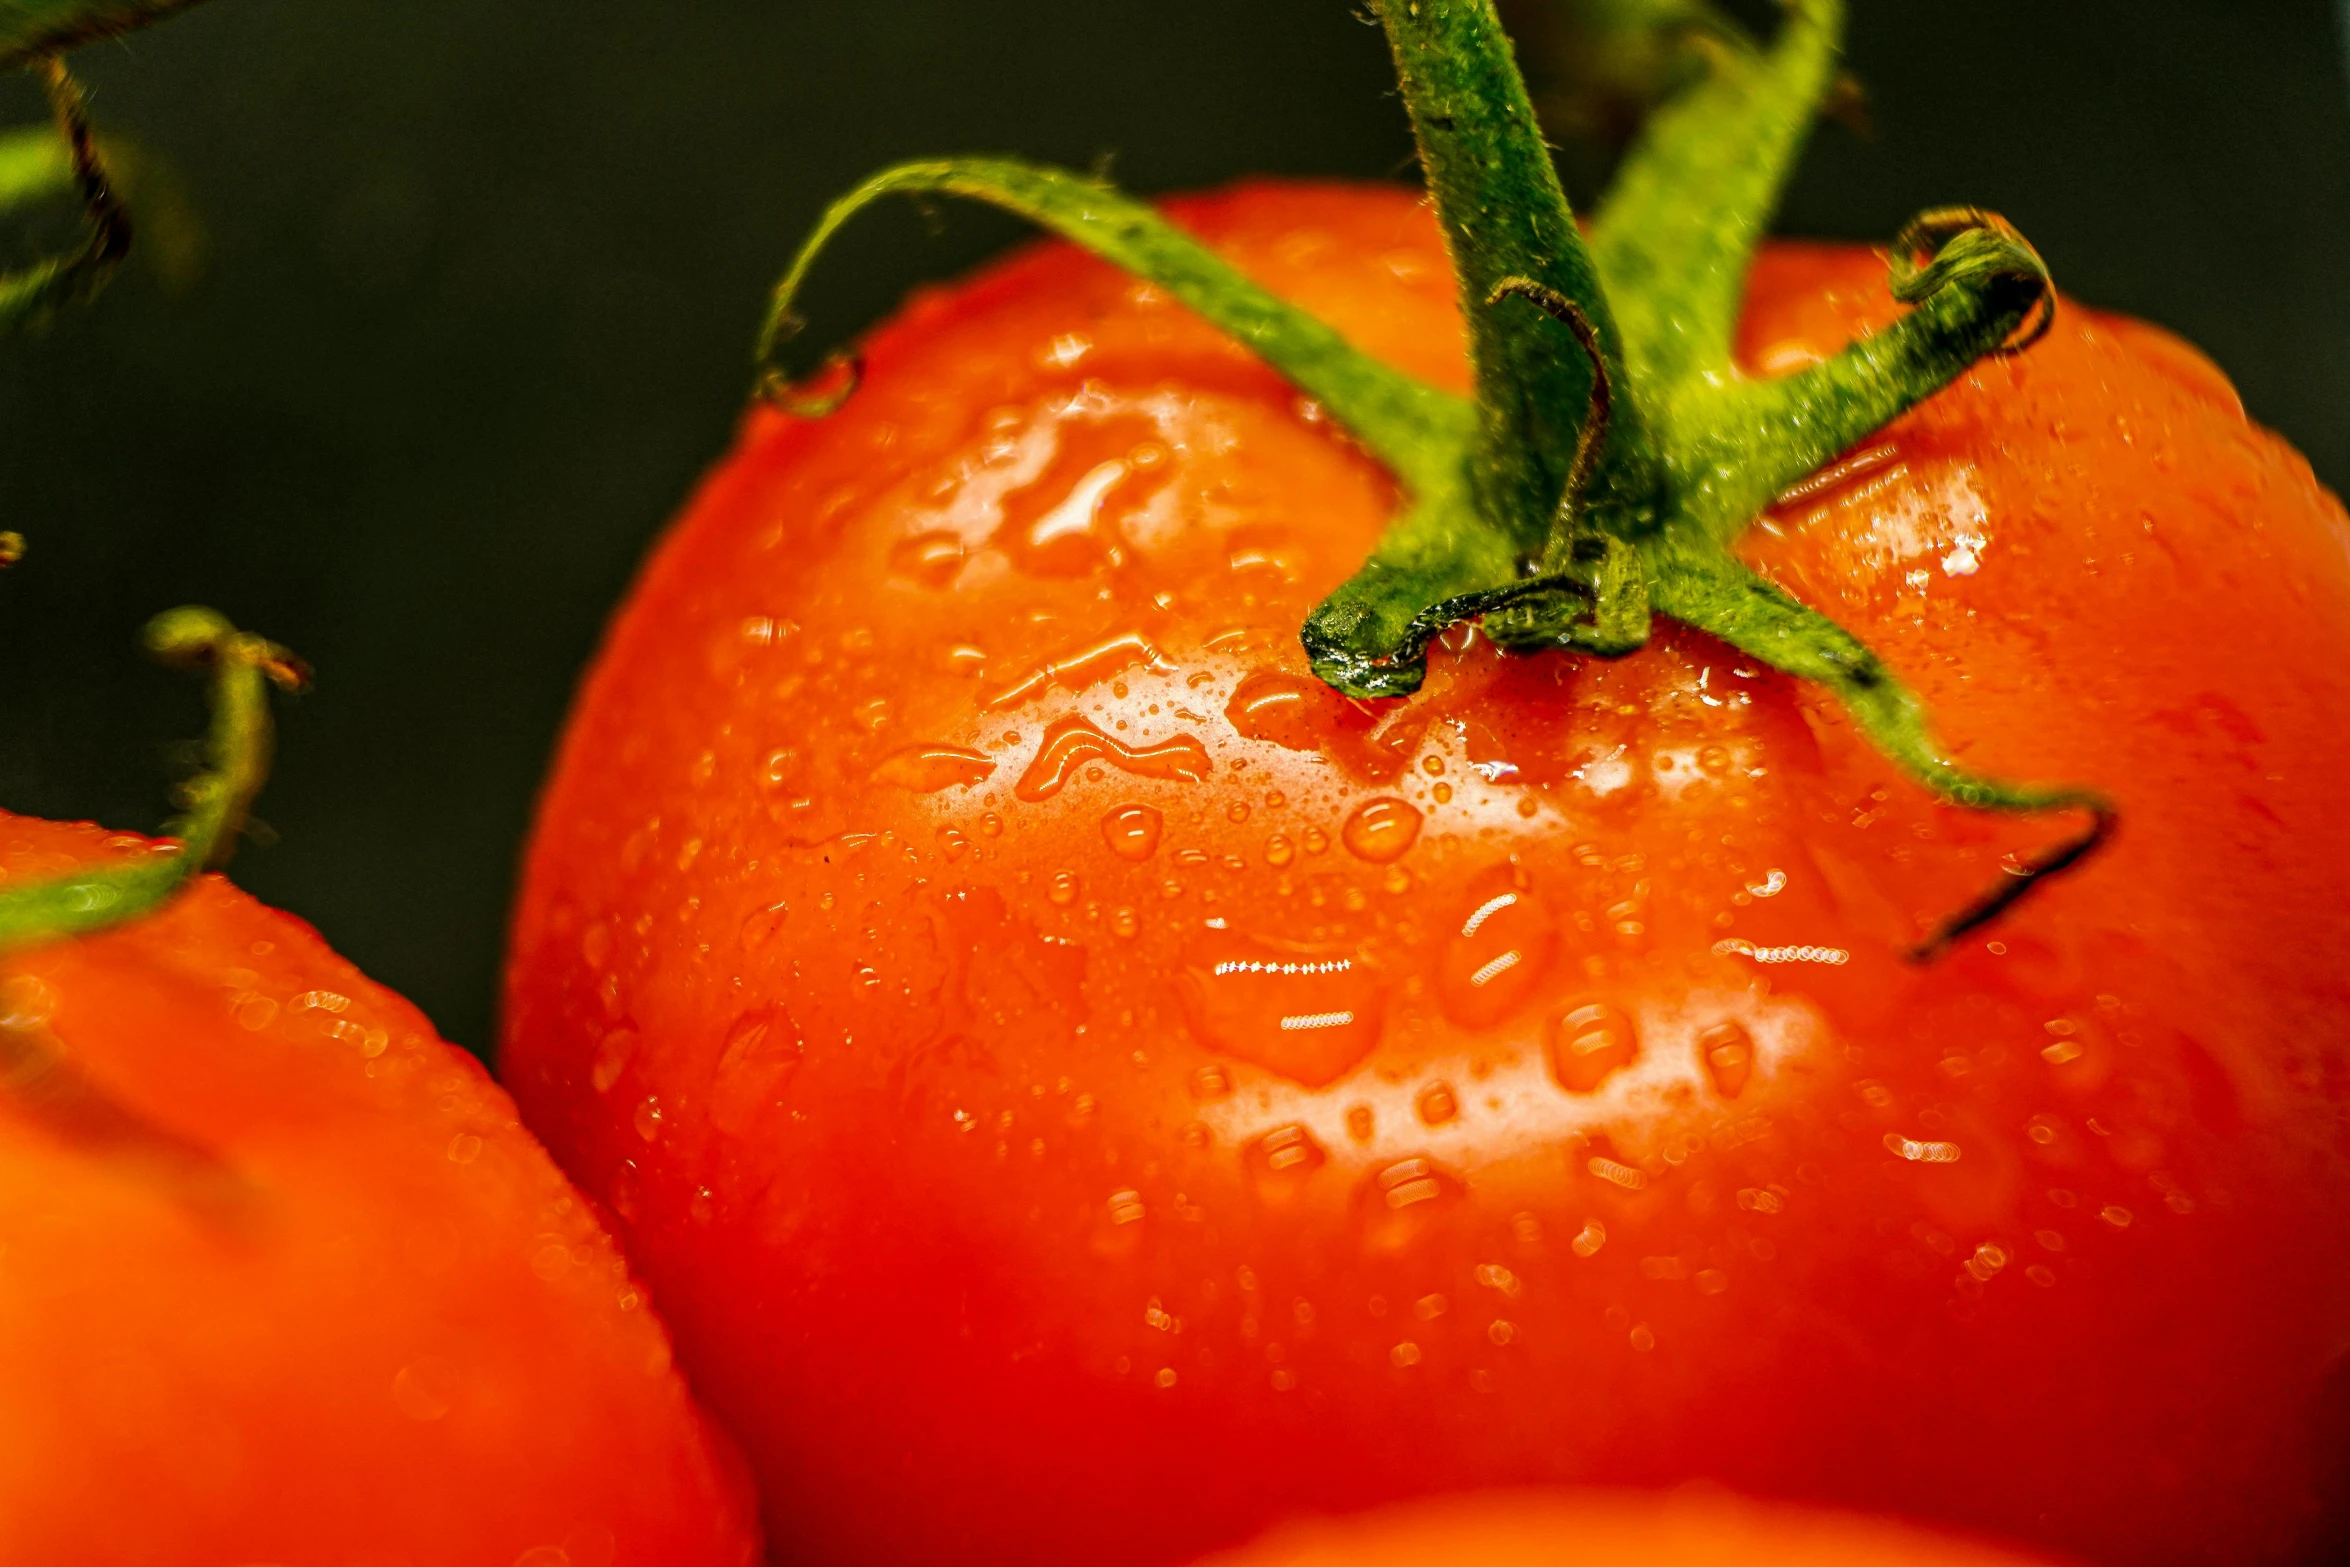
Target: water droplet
x=1062, y=889
x=1282, y=1160
x=1052, y=527
x=1360, y=1122
x=1381, y=830
x=1404, y=1355
x=932, y=559
x=1238, y=812
x=1729, y=1057
x=1438, y=1104
x=928, y=768
x=425, y=1389
x=621, y=1192
x=760, y=925
x=1124, y=923
x=1400, y=1202
x=1498, y=952
x=612, y=1058
x=1589, y=1041
x=648, y=1118
x=1589, y=1239
x=1132, y=832
x=1077, y=671
x=1308, y=1015
x=1125, y=1207
x=1315, y=840
x=464, y=1148
x=1279, y=851
x=953, y=843
x=1072, y=742
x=1210, y=1082
x=992, y=825
x=762, y=1049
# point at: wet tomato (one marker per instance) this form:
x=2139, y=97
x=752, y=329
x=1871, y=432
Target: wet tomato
x=1601, y=1528
x=1084, y=1090
x=282, y=1279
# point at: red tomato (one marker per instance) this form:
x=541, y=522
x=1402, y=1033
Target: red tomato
x=282, y=1279
x=1083, y=1089
x=1609, y=1529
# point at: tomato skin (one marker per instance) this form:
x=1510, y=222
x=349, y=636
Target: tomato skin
x=1596, y=1528
x=1045, y=1066
x=282, y=1279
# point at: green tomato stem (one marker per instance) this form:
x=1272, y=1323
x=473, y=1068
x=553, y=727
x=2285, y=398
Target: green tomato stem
x=243, y=667
x=1613, y=450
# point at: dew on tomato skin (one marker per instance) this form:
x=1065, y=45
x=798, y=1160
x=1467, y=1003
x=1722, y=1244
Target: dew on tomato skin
x=1498, y=954
x=1589, y=1042
x=622, y=1191
x=930, y=767
x=762, y=1050
x=1589, y=1239
x=612, y=1056
x=760, y=925
x=1361, y=1121
x=1081, y=670
x=1314, y=840
x=1308, y=1015
x=931, y=559
x=1210, y=1083
x=1283, y=1160
x=1062, y=889
x=1132, y=831
x=1073, y=742
x=1381, y=830
x=1437, y=1104
x=647, y=1119
x=1403, y=1200
x=1124, y=923
x=1728, y=1052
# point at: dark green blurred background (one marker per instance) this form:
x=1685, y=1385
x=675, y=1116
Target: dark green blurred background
x=482, y=277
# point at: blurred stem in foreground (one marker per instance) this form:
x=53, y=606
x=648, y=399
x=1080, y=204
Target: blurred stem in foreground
x=1598, y=68
x=29, y=28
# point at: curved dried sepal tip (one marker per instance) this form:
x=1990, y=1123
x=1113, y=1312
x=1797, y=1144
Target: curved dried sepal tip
x=37, y=165
x=195, y=638
x=1977, y=248
x=1981, y=292
x=819, y=396
x=30, y=28
x=2024, y=875
x=1715, y=593
x=243, y=667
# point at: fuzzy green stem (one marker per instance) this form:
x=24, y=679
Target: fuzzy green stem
x=1677, y=267
x=1504, y=218
x=243, y=667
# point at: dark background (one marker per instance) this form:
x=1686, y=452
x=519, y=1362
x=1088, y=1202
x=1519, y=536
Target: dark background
x=481, y=278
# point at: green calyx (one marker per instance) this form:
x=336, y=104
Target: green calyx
x=1612, y=451
x=216, y=801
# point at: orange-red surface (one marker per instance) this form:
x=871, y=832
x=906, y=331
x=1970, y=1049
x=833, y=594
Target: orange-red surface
x=1082, y=1090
